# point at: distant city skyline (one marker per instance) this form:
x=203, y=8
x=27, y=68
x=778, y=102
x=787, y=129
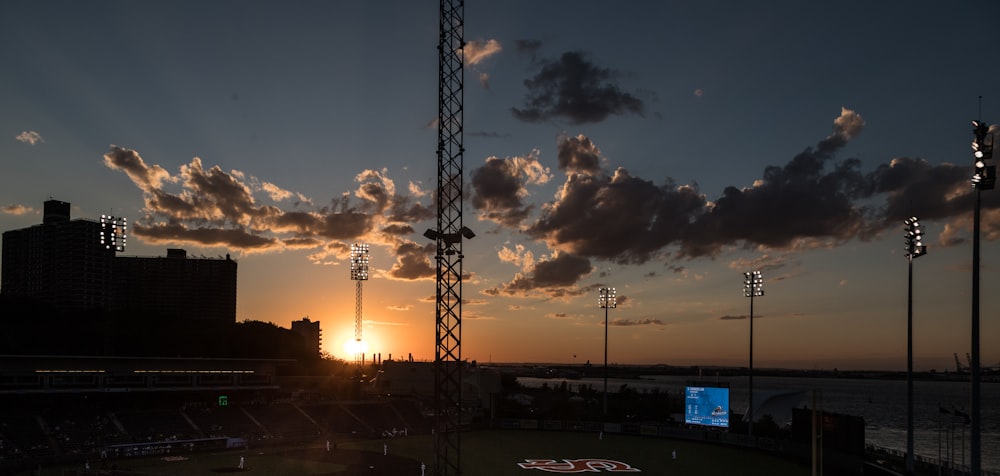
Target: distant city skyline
x=660, y=148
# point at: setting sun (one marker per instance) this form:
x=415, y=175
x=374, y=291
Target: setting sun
x=354, y=347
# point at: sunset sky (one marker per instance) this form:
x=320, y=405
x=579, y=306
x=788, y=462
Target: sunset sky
x=659, y=147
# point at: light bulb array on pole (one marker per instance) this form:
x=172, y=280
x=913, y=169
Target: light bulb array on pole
x=914, y=248
x=607, y=300
x=753, y=286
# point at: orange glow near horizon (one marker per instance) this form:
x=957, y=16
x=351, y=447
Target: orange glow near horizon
x=354, y=347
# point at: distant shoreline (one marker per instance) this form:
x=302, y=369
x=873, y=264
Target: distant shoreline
x=618, y=371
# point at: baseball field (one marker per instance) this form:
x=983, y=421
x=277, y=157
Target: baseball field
x=483, y=453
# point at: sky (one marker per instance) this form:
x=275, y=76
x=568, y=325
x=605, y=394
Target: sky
x=662, y=148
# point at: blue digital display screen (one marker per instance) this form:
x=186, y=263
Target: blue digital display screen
x=707, y=406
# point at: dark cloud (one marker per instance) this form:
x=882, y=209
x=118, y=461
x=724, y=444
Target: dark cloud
x=580, y=155
x=626, y=219
x=914, y=186
x=812, y=200
x=178, y=233
x=638, y=322
x=619, y=218
x=492, y=135
x=527, y=46
x=577, y=90
x=499, y=188
x=797, y=201
x=553, y=276
x=398, y=230
x=413, y=262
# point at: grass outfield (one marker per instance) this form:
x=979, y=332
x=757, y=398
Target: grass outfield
x=484, y=453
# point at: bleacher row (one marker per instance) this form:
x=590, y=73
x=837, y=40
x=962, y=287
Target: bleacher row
x=79, y=430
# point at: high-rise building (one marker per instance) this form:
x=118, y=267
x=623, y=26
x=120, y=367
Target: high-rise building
x=63, y=263
x=309, y=331
x=177, y=287
x=60, y=262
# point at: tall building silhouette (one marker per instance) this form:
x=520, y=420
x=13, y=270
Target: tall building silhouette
x=310, y=331
x=177, y=287
x=62, y=263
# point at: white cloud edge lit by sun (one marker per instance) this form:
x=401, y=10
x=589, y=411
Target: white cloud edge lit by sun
x=29, y=137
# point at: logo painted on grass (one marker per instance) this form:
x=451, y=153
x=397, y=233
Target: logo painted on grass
x=588, y=465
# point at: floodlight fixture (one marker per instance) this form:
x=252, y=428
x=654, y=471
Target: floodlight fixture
x=113, y=232
x=984, y=173
x=914, y=245
x=359, y=261
x=608, y=298
x=753, y=284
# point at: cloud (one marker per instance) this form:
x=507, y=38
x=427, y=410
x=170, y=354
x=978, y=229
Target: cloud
x=795, y=201
x=148, y=178
x=735, y=318
x=618, y=217
x=477, y=51
x=16, y=209
x=276, y=193
x=811, y=201
x=577, y=90
x=519, y=256
x=210, y=207
x=494, y=135
x=413, y=262
x=29, y=137
x=626, y=219
x=579, y=155
x=554, y=276
x=499, y=187
x=527, y=46
x=165, y=233
x=639, y=322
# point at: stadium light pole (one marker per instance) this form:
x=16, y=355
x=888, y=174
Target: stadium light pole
x=607, y=300
x=914, y=248
x=753, y=286
x=983, y=178
x=113, y=232
x=359, y=274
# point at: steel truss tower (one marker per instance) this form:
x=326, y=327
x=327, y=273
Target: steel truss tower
x=449, y=235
